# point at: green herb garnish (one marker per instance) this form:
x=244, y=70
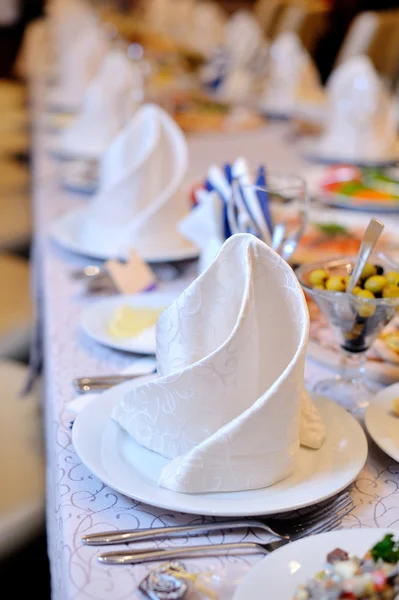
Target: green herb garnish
x=331, y=229
x=387, y=550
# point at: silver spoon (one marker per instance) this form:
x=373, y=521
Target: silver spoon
x=370, y=238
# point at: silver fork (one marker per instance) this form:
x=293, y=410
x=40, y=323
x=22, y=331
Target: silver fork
x=124, y=557
x=280, y=527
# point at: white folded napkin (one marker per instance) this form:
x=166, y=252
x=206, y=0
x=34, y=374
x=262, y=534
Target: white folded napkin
x=361, y=121
x=205, y=30
x=244, y=42
x=66, y=20
x=140, y=198
x=109, y=103
x=78, y=64
x=229, y=408
x=291, y=75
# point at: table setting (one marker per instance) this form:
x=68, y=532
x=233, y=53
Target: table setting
x=187, y=295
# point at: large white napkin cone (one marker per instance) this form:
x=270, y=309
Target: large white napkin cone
x=229, y=405
x=140, y=198
x=77, y=67
x=361, y=121
x=291, y=75
x=109, y=103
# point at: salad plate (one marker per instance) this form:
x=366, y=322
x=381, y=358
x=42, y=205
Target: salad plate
x=120, y=462
x=66, y=230
x=382, y=423
x=95, y=321
x=365, y=189
x=280, y=573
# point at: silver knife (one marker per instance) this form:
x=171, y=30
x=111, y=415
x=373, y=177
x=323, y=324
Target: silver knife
x=96, y=383
x=129, y=535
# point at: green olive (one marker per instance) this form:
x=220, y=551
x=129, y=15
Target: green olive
x=365, y=310
x=390, y=291
x=356, y=290
x=318, y=277
x=368, y=271
x=393, y=277
x=375, y=284
x=336, y=283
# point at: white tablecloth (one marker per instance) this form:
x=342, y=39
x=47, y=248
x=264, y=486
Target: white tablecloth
x=77, y=502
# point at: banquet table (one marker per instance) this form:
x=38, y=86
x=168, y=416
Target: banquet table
x=77, y=502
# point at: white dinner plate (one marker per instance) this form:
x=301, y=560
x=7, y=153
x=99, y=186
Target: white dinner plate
x=95, y=321
x=310, y=149
x=279, y=574
x=120, y=462
x=66, y=228
x=382, y=423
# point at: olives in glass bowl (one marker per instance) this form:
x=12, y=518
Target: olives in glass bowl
x=355, y=318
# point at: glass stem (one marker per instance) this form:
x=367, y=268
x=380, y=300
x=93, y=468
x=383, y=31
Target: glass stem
x=352, y=366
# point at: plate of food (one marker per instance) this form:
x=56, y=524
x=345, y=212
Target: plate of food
x=355, y=563
x=365, y=189
x=382, y=420
x=126, y=323
x=327, y=239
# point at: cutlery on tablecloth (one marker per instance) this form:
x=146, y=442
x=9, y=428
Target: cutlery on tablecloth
x=328, y=523
x=283, y=527
x=96, y=383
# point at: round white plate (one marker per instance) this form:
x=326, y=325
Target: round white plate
x=95, y=320
x=279, y=574
x=382, y=423
x=65, y=232
x=310, y=149
x=120, y=462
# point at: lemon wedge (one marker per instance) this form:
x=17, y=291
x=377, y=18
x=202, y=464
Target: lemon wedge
x=129, y=322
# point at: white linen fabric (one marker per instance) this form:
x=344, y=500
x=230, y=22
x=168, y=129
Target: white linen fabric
x=291, y=75
x=109, y=103
x=140, y=198
x=228, y=404
x=78, y=64
x=361, y=121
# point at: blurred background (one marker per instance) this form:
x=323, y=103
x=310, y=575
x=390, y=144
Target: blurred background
x=330, y=30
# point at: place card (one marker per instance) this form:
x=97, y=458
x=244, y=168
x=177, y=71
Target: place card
x=132, y=276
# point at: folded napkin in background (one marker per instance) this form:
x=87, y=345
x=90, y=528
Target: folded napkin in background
x=229, y=407
x=291, y=76
x=78, y=64
x=361, y=122
x=206, y=27
x=140, y=198
x=234, y=67
x=109, y=103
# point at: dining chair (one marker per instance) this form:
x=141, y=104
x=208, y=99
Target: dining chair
x=22, y=470
x=16, y=321
x=375, y=34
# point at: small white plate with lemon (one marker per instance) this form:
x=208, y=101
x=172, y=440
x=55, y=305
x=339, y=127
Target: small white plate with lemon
x=126, y=323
